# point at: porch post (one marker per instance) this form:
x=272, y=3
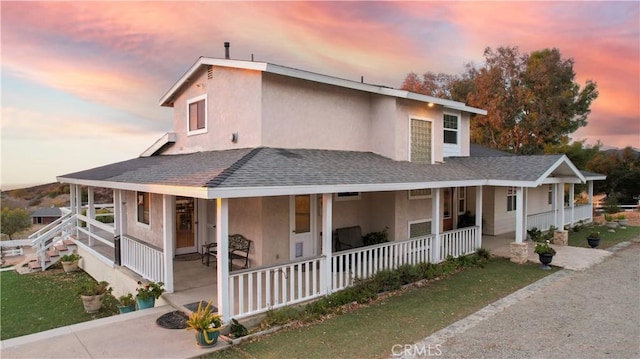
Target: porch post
x=525, y=209
x=91, y=212
x=72, y=198
x=168, y=218
x=560, y=206
x=225, y=299
x=327, y=236
x=78, y=208
x=479, y=216
x=572, y=205
x=590, y=191
x=519, y=214
x=435, y=226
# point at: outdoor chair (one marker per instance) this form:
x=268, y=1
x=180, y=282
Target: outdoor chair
x=239, y=248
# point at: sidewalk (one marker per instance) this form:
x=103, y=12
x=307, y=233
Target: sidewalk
x=131, y=335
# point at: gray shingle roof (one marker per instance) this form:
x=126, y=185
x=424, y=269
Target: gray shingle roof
x=47, y=212
x=476, y=150
x=271, y=167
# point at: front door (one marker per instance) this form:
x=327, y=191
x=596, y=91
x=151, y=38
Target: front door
x=447, y=206
x=185, y=225
x=302, y=222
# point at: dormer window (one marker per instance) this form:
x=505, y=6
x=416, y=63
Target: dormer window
x=451, y=129
x=197, y=115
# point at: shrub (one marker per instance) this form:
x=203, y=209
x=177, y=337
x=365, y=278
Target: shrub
x=376, y=237
x=280, y=316
x=238, y=330
x=387, y=280
x=408, y=273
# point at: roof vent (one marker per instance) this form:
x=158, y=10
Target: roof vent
x=226, y=50
x=210, y=72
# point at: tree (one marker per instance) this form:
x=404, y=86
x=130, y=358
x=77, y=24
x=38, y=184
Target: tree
x=532, y=99
x=14, y=221
x=622, y=168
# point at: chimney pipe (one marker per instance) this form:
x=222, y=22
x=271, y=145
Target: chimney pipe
x=226, y=50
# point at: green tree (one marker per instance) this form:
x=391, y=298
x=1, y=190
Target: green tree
x=622, y=168
x=14, y=221
x=532, y=99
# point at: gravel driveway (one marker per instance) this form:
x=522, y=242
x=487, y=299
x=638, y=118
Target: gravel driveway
x=590, y=314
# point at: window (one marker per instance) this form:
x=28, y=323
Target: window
x=419, y=228
x=347, y=196
x=143, y=207
x=197, y=115
x=550, y=195
x=420, y=141
x=450, y=129
x=420, y=193
x=511, y=199
x=462, y=200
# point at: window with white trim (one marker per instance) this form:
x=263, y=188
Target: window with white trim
x=451, y=127
x=143, y=207
x=511, y=199
x=197, y=115
x=420, y=193
x=420, y=141
x=550, y=195
x=462, y=200
x=419, y=228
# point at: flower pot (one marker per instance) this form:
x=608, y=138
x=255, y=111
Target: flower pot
x=69, y=266
x=206, y=339
x=612, y=225
x=146, y=303
x=92, y=303
x=593, y=241
x=623, y=222
x=545, y=259
x=126, y=308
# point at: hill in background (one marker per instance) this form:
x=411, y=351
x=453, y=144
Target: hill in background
x=48, y=195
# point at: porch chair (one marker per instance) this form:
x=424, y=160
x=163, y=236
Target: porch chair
x=348, y=238
x=239, y=248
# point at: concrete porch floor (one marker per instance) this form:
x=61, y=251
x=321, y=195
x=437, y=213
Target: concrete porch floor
x=568, y=257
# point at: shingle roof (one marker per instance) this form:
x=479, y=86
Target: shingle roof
x=476, y=150
x=47, y=212
x=276, y=167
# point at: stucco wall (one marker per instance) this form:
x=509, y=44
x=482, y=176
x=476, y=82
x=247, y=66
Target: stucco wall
x=153, y=233
x=233, y=106
x=275, y=231
x=407, y=109
x=304, y=114
x=410, y=210
x=538, y=200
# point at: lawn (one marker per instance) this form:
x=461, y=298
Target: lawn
x=35, y=302
x=400, y=319
x=607, y=239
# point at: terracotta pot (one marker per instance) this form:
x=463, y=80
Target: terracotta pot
x=69, y=266
x=92, y=303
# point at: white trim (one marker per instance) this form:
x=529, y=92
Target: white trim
x=462, y=198
x=412, y=197
x=142, y=224
x=560, y=161
x=203, y=62
x=206, y=115
x=417, y=221
x=411, y=118
x=452, y=149
x=514, y=195
x=169, y=137
x=349, y=197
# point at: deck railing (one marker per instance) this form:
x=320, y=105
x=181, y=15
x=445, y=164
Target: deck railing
x=543, y=221
x=459, y=242
x=253, y=291
x=142, y=258
x=364, y=262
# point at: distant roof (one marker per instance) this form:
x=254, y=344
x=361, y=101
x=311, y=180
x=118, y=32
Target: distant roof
x=47, y=212
x=203, y=62
x=275, y=171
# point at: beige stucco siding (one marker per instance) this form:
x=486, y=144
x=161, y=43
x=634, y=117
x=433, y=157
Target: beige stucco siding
x=152, y=233
x=304, y=114
x=407, y=210
x=538, y=200
x=233, y=101
x=406, y=110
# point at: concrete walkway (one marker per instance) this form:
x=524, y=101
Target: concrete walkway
x=131, y=335
x=594, y=313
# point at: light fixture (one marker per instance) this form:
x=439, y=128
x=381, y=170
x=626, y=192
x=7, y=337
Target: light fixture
x=234, y=137
x=430, y=104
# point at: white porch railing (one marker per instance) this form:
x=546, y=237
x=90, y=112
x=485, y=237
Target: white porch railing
x=459, y=242
x=142, y=259
x=364, y=262
x=580, y=213
x=543, y=221
x=257, y=290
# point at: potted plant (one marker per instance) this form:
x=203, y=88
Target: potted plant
x=545, y=254
x=207, y=325
x=70, y=262
x=92, y=295
x=611, y=224
x=593, y=239
x=622, y=220
x=127, y=303
x=148, y=293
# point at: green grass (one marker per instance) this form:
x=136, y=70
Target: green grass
x=607, y=239
x=400, y=319
x=35, y=302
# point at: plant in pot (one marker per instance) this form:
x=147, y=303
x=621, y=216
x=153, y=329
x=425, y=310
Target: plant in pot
x=148, y=293
x=545, y=254
x=92, y=295
x=70, y=262
x=593, y=239
x=207, y=325
x=622, y=220
x=127, y=303
x=611, y=224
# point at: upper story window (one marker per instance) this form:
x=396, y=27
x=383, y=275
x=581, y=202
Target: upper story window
x=143, y=207
x=197, y=115
x=451, y=128
x=511, y=199
x=421, y=136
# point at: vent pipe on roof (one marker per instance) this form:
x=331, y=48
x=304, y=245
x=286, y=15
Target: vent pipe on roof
x=226, y=50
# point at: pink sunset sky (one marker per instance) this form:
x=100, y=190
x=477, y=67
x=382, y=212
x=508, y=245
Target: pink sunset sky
x=81, y=80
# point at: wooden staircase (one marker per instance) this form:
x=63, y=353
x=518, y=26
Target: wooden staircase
x=53, y=255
